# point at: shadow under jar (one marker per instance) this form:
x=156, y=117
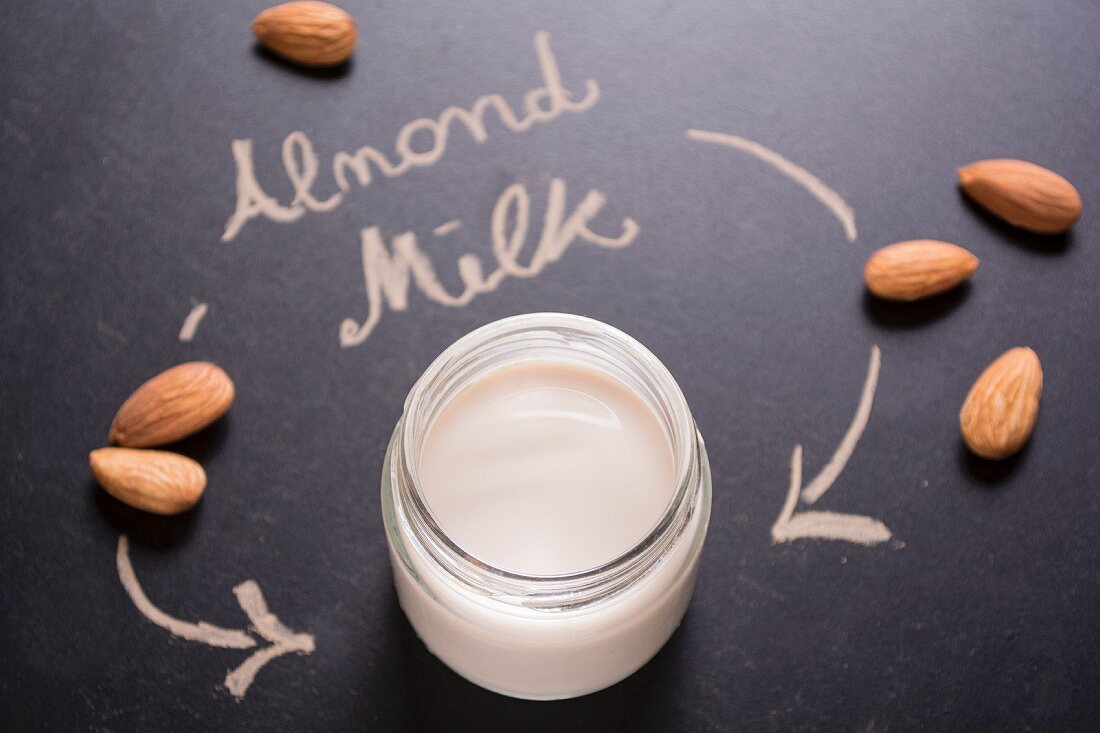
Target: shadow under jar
x=522, y=581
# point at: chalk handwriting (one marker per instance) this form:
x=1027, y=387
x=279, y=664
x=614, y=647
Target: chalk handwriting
x=541, y=105
x=251, y=600
x=827, y=196
x=831, y=525
x=387, y=274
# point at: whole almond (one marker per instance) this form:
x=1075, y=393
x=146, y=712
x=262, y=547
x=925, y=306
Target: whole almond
x=917, y=269
x=999, y=413
x=152, y=480
x=173, y=405
x=1023, y=194
x=307, y=33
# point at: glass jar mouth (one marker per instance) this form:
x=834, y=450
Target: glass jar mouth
x=507, y=342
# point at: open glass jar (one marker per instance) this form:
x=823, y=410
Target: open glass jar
x=545, y=636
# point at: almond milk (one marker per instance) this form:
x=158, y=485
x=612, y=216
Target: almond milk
x=546, y=497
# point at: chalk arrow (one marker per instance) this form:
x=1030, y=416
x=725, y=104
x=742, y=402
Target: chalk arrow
x=251, y=599
x=854, y=528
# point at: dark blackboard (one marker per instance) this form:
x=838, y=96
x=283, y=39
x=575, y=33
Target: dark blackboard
x=116, y=126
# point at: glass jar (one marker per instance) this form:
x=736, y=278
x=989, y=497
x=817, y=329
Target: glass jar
x=545, y=636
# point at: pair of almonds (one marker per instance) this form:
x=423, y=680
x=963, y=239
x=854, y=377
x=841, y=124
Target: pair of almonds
x=169, y=407
x=1000, y=411
x=1023, y=194
x=308, y=33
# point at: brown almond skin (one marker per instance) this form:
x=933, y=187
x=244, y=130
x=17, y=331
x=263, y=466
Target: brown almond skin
x=917, y=269
x=173, y=405
x=1023, y=194
x=999, y=413
x=309, y=33
x=151, y=480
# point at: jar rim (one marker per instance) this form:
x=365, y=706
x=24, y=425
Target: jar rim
x=561, y=590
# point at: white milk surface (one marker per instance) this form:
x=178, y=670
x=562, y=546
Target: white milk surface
x=547, y=467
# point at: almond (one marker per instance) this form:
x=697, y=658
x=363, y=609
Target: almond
x=917, y=269
x=307, y=33
x=999, y=413
x=173, y=405
x=152, y=480
x=1023, y=194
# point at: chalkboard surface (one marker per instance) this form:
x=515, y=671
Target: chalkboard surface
x=119, y=125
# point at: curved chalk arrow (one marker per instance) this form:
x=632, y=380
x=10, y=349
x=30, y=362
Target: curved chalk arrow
x=827, y=196
x=251, y=600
